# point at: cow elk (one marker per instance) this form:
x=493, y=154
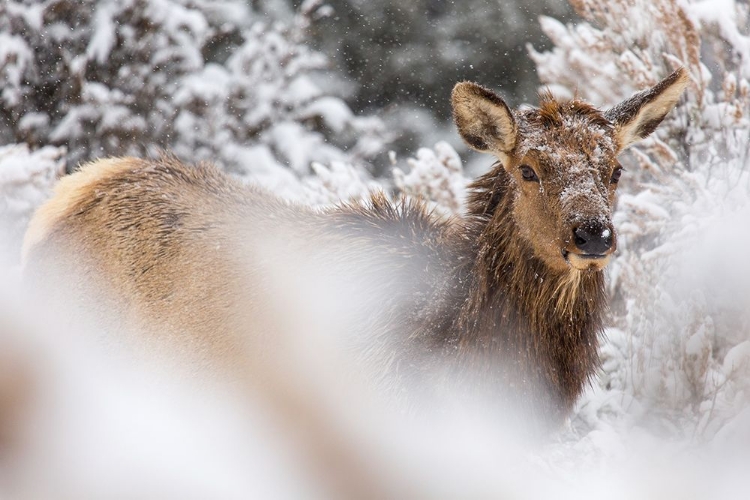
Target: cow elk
x=511, y=292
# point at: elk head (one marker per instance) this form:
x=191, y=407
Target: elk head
x=561, y=159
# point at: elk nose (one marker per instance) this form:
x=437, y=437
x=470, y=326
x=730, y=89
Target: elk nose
x=593, y=240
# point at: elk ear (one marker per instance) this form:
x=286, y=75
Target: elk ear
x=483, y=119
x=635, y=118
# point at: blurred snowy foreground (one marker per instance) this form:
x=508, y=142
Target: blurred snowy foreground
x=668, y=417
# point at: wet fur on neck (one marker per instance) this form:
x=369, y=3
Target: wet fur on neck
x=541, y=321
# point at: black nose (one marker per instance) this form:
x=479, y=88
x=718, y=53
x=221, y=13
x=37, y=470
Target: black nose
x=595, y=239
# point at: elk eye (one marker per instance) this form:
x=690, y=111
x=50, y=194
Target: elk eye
x=528, y=173
x=616, y=175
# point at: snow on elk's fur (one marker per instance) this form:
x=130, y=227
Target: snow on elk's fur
x=508, y=297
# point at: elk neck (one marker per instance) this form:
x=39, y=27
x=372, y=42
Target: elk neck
x=519, y=308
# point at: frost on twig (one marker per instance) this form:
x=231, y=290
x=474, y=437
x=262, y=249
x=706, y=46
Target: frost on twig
x=339, y=182
x=26, y=180
x=435, y=175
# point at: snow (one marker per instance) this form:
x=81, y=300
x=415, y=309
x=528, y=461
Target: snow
x=15, y=57
x=334, y=112
x=292, y=143
x=340, y=181
x=738, y=358
x=26, y=180
x=724, y=14
x=104, y=37
x=209, y=86
x=177, y=18
x=435, y=175
x=667, y=417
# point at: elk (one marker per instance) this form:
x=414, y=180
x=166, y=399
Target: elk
x=512, y=291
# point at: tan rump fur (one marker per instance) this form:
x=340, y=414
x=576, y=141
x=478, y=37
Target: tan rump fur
x=68, y=194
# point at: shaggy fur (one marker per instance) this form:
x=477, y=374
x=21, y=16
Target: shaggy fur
x=497, y=300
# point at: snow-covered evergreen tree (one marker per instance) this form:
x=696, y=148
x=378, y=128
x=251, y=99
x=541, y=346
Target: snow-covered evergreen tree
x=263, y=108
x=207, y=79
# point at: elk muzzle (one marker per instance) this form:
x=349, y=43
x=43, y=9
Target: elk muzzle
x=593, y=245
x=593, y=240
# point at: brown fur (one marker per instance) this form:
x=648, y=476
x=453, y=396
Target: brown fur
x=501, y=292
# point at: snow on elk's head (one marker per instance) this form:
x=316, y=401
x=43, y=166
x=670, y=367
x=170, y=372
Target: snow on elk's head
x=561, y=160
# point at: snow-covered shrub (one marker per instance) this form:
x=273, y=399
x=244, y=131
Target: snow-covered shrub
x=340, y=182
x=26, y=180
x=683, y=355
x=207, y=79
x=262, y=108
x=96, y=76
x=435, y=175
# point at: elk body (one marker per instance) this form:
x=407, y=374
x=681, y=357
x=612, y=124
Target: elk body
x=512, y=291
